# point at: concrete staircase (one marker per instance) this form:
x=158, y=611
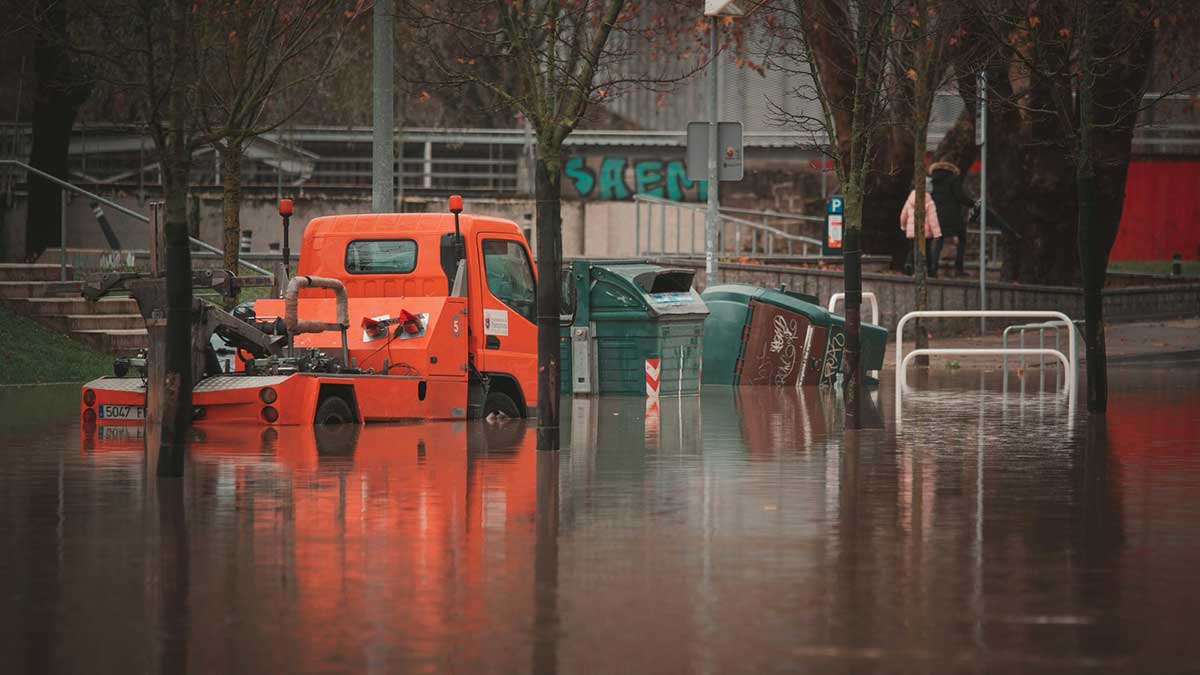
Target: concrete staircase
x=112, y=324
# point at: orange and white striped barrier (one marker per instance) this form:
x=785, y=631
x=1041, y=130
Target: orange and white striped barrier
x=652, y=419
x=653, y=377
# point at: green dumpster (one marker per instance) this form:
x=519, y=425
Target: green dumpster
x=629, y=325
x=762, y=336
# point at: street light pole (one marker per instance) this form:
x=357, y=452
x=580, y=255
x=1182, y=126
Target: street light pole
x=981, y=139
x=382, y=155
x=712, y=217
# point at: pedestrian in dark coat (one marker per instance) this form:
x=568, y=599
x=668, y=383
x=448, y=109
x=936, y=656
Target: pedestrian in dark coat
x=950, y=198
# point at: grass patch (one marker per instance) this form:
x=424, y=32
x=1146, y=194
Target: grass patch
x=35, y=354
x=1191, y=268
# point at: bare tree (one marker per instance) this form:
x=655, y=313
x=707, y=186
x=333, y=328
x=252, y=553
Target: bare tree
x=246, y=54
x=848, y=47
x=1089, y=63
x=931, y=33
x=63, y=83
x=552, y=62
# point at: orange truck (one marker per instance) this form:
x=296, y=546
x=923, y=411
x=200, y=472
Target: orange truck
x=389, y=317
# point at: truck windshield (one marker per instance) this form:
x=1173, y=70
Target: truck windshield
x=509, y=276
x=381, y=256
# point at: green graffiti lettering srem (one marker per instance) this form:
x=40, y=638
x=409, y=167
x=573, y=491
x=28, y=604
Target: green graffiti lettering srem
x=648, y=175
x=677, y=181
x=582, y=176
x=612, y=179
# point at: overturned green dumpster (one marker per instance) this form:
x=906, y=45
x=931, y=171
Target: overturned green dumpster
x=759, y=336
x=630, y=328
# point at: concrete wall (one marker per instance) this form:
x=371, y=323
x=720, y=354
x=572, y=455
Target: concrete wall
x=895, y=295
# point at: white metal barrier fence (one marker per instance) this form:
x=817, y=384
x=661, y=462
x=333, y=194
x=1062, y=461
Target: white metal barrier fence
x=867, y=295
x=1069, y=361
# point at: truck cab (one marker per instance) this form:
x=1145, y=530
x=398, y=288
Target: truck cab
x=436, y=320
x=412, y=255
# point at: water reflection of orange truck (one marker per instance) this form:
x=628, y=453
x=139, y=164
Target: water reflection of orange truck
x=429, y=526
x=389, y=317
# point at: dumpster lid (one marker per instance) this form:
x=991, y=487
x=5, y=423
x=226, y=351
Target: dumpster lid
x=744, y=293
x=667, y=290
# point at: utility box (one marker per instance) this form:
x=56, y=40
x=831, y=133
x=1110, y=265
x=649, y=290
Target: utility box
x=630, y=327
x=756, y=336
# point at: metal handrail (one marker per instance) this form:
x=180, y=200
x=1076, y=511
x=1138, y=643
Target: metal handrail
x=773, y=214
x=111, y=204
x=773, y=230
x=769, y=230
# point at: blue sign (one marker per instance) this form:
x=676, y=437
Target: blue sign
x=834, y=226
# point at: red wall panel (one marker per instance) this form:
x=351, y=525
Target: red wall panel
x=1162, y=212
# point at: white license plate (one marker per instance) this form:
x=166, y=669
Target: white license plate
x=121, y=433
x=122, y=412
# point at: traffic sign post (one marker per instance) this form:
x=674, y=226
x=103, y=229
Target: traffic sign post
x=714, y=153
x=730, y=155
x=831, y=244
x=719, y=155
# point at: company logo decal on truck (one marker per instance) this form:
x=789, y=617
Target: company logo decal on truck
x=495, y=322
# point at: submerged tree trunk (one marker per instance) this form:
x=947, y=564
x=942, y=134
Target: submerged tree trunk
x=175, y=156
x=852, y=271
x=920, y=251
x=61, y=89
x=548, y=194
x=231, y=202
x=1094, y=258
x=1110, y=96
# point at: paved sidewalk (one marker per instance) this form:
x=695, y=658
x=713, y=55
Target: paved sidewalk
x=1126, y=342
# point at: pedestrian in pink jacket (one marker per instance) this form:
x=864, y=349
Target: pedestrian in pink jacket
x=933, y=232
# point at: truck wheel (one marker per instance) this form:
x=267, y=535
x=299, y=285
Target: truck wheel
x=499, y=404
x=334, y=410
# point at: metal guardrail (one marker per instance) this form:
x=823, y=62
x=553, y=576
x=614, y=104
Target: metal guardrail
x=1041, y=328
x=772, y=237
x=64, y=185
x=1071, y=362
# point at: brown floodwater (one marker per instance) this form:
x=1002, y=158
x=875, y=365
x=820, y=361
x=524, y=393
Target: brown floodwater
x=741, y=531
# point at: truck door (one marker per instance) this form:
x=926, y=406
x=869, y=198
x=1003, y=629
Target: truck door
x=508, y=291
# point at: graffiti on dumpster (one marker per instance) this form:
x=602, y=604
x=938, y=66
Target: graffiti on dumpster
x=832, y=365
x=784, y=344
x=619, y=178
x=777, y=347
